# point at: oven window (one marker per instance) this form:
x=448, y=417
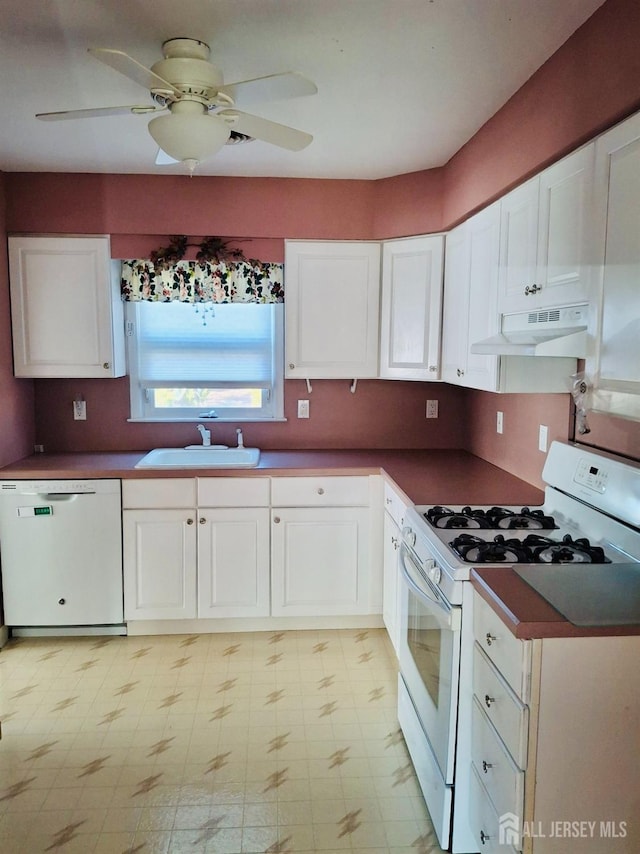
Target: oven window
x=424, y=638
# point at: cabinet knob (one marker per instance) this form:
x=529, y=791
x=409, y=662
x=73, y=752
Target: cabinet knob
x=291, y=366
x=189, y=521
x=276, y=519
x=202, y=520
x=490, y=638
x=488, y=700
x=484, y=837
x=62, y=601
x=486, y=766
x=320, y=490
x=106, y=365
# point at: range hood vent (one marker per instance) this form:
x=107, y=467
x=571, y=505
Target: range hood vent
x=549, y=332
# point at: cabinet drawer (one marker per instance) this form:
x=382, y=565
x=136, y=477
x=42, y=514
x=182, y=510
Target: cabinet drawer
x=159, y=493
x=233, y=492
x=395, y=506
x=505, y=711
x=485, y=822
x=320, y=491
x=511, y=656
x=502, y=778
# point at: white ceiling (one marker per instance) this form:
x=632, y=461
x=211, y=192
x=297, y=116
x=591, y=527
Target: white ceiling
x=402, y=84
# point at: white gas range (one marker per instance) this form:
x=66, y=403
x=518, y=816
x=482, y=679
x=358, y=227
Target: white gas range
x=580, y=550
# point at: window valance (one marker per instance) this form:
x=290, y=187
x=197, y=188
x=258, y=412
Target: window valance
x=203, y=281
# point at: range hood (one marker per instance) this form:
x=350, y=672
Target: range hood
x=549, y=332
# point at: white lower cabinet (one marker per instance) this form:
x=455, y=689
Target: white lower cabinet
x=321, y=557
x=192, y=560
x=555, y=726
x=394, y=510
x=188, y=556
x=159, y=564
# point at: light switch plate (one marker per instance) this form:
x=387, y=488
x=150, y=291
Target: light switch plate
x=543, y=438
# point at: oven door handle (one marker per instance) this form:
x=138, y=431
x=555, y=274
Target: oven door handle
x=423, y=592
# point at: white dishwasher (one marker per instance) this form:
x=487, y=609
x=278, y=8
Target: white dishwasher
x=61, y=552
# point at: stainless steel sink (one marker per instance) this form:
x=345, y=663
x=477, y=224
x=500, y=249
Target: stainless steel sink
x=200, y=458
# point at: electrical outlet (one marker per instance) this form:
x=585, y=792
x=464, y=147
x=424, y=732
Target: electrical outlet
x=303, y=409
x=499, y=422
x=543, y=435
x=432, y=409
x=79, y=410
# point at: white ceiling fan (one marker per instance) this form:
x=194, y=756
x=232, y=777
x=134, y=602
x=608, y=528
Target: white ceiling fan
x=199, y=112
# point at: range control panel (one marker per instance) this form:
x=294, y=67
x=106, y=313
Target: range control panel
x=593, y=476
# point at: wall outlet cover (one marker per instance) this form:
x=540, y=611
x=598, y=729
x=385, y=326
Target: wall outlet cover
x=303, y=409
x=79, y=410
x=432, y=409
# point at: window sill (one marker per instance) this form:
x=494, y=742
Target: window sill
x=203, y=420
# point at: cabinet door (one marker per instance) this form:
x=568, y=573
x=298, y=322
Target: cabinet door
x=320, y=561
x=331, y=310
x=233, y=562
x=455, y=308
x=411, y=308
x=518, y=247
x=65, y=307
x=159, y=564
x=565, y=231
x=390, y=610
x=615, y=368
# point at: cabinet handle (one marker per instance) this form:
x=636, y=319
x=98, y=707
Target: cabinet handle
x=488, y=700
x=189, y=521
x=395, y=542
x=460, y=372
x=62, y=601
x=276, y=519
x=202, y=520
x=320, y=491
x=433, y=368
x=388, y=501
x=106, y=365
x=486, y=766
x=490, y=638
x=484, y=837
x=532, y=289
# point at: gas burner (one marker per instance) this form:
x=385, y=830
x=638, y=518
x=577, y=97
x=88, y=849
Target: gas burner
x=444, y=517
x=476, y=550
x=566, y=550
x=485, y=519
x=513, y=519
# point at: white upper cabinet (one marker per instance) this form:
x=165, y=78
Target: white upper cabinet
x=546, y=248
x=65, y=308
x=411, y=308
x=470, y=312
x=331, y=309
x=615, y=368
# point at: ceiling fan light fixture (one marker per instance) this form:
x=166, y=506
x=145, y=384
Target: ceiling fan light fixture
x=189, y=135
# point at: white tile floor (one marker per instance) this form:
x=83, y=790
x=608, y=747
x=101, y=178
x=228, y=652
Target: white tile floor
x=282, y=743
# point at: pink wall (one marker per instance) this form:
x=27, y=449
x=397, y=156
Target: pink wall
x=16, y=396
x=381, y=414
x=589, y=84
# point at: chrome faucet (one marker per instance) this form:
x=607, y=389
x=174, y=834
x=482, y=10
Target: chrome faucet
x=240, y=437
x=206, y=435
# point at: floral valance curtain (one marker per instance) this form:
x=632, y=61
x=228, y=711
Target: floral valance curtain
x=203, y=281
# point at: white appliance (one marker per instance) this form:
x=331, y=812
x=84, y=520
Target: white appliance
x=580, y=550
x=61, y=553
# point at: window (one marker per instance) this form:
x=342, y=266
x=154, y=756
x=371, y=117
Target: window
x=187, y=359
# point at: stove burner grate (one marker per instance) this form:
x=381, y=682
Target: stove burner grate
x=486, y=519
x=533, y=549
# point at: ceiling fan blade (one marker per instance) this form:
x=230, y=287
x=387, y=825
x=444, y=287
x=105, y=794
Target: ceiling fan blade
x=98, y=112
x=272, y=132
x=274, y=87
x=131, y=68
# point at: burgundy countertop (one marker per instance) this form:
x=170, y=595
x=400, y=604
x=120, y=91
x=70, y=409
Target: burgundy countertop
x=526, y=613
x=426, y=477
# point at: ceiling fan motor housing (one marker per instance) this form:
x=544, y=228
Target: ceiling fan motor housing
x=194, y=77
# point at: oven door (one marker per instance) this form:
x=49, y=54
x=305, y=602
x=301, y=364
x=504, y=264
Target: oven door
x=429, y=657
